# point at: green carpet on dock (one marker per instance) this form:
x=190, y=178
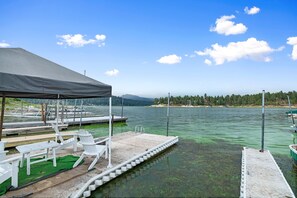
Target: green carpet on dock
x=40, y=171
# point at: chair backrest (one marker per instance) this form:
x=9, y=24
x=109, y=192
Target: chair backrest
x=58, y=134
x=88, y=143
x=2, y=152
x=86, y=138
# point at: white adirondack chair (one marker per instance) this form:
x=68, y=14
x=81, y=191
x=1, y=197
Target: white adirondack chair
x=91, y=148
x=65, y=143
x=9, y=168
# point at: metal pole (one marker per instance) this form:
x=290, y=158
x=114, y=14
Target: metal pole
x=81, y=110
x=109, y=136
x=62, y=113
x=291, y=110
x=168, y=105
x=74, y=110
x=263, y=119
x=2, y=115
x=122, y=114
x=112, y=118
x=57, y=115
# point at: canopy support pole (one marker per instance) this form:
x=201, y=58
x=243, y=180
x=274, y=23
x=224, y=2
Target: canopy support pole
x=2, y=115
x=57, y=117
x=109, y=135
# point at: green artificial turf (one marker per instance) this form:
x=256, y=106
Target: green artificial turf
x=40, y=171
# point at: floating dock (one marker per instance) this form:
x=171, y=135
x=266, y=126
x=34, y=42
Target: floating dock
x=128, y=150
x=17, y=128
x=261, y=176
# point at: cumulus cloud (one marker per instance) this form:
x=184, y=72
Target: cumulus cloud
x=170, y=59
x=78, y=40
x=225, y=26
x=293, y=41
x=251, y=11
x=249, y=49
x=113, y=72
x=4, y=44
x=207, y=62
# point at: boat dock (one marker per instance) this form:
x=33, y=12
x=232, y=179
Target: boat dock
x=128, y=150
x=17, y=128
x=261, y=176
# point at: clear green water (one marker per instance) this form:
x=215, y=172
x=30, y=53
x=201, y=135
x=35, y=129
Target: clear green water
x=207, y=160
x=235, y=125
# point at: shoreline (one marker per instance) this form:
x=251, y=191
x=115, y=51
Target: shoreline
x=222, y=106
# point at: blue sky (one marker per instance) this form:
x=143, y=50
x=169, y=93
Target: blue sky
x=152, y=47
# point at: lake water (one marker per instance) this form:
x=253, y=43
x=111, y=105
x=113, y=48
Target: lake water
x=207, y=160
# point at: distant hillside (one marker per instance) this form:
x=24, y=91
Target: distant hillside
x=134, y=97
x=130, y=100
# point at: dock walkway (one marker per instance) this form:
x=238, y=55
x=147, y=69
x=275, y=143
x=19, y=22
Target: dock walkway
x=69, y=121
x=125, y=146
x=18, y=128
x=261, y=176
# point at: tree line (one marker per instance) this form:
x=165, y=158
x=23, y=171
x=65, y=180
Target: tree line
x=116, y=101
x=275, y=99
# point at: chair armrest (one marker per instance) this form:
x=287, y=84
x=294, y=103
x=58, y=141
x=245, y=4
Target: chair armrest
x=70, y=134
x=11, y=160
x=101, y=141
x=88, y=144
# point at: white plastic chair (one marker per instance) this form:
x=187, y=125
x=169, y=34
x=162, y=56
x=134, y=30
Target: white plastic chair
x=91, y=148
x=9, y=168
x=65, y=143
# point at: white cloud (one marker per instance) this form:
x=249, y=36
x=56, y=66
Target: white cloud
x=251, y=11
x=113, y=72
x=4, y=44
x=170, y=59
x=190, y=55
x=207, y=62
x=249, y=49
x=293, y=41
x=225, y=26
x=78, y=40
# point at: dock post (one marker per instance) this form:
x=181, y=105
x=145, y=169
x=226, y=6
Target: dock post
x=122, y=114
x=109, y=135
x=112, y=120
x=168, y=113
x=263, y=119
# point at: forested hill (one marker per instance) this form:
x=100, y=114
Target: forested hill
x=277, y=99
x=116, y=101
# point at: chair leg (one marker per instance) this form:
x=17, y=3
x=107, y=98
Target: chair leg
x=75, y=144
x=94, y=162
x=106, y=152
x=15, y=171
x=79, y=160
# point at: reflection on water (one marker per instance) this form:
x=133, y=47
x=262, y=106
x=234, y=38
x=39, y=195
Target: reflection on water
x=187, y=170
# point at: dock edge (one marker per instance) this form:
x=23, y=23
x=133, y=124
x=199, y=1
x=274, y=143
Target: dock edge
x=243, y=174
x=282, y=175
x=112, y=173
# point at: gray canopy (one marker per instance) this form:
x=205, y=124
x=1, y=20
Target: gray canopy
x=26, y=75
